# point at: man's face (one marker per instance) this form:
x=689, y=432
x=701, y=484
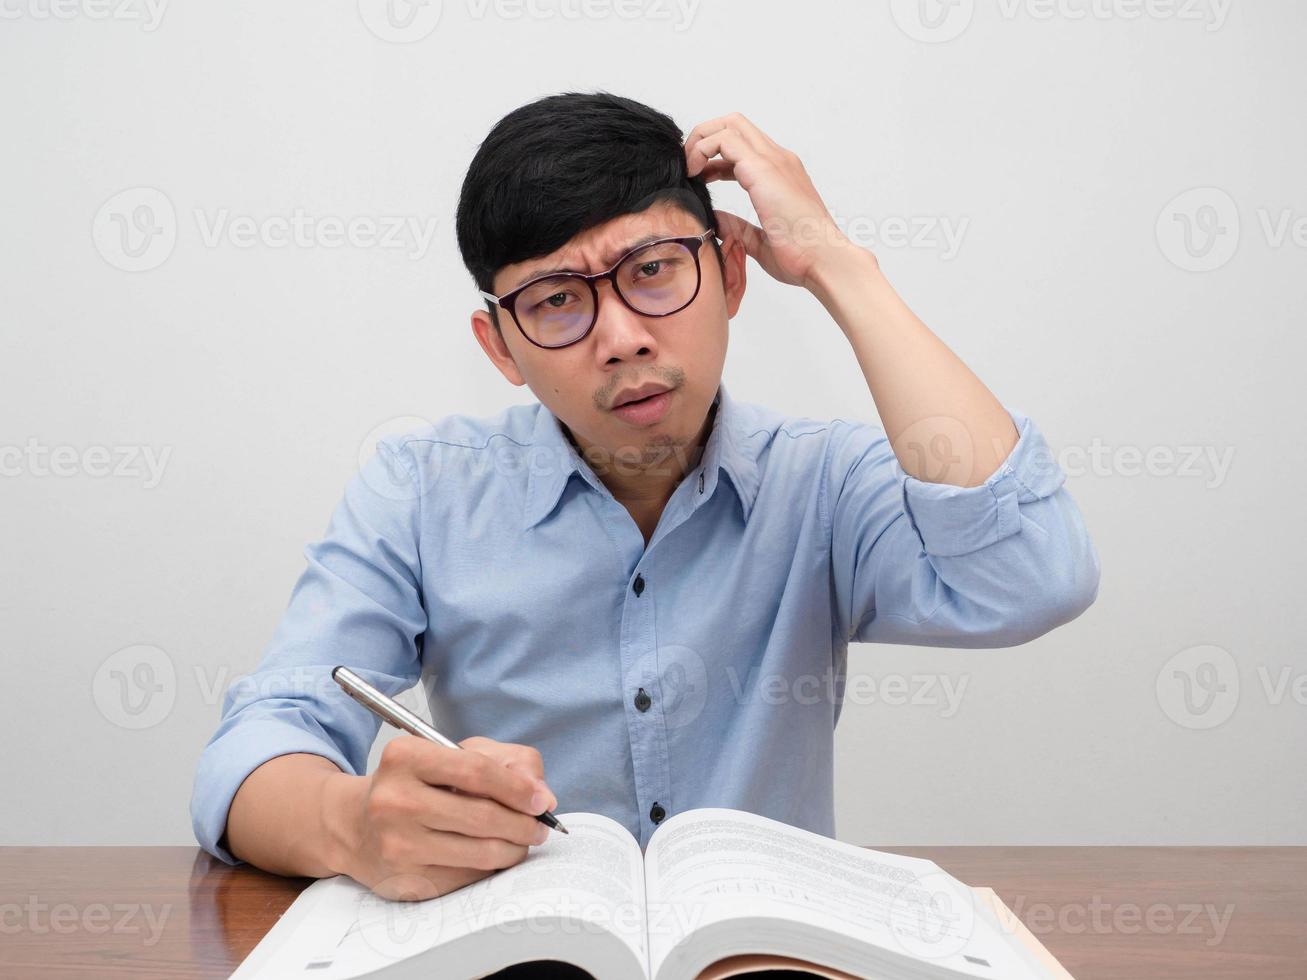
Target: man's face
x=580, y=383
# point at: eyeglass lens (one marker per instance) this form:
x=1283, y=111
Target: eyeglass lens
x=656, y=280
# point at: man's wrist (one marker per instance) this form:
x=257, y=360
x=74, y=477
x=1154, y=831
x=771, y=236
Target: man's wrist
x=839, y=269
x=341, y=815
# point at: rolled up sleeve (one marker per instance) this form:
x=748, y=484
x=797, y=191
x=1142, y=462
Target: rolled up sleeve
x=358, y=602
x=993, y=565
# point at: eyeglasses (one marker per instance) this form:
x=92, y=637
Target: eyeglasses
x=656, y=279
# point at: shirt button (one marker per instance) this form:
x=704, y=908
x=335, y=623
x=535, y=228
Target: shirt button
x=657, y=813
x=638, y=584
x=642, y=700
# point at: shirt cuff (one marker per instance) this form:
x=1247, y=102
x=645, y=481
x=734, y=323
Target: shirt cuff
x=951, y=520
x=228, y=760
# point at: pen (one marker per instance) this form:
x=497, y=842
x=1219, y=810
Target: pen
x=396, y=714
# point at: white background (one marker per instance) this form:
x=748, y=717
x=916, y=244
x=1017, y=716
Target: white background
x=1064, y=141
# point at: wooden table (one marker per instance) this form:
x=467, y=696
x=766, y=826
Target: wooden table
x=1133, y=913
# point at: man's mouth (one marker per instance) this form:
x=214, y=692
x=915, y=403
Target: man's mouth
x=625, y=400
x=648, y=410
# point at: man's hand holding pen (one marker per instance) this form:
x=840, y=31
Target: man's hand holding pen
x=432, y=819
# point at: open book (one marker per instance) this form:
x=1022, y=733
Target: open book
x=717, y=893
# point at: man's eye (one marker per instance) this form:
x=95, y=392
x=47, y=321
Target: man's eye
x=549, y=301
x=655, y=267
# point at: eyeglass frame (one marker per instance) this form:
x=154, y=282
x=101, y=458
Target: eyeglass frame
x=509, y=299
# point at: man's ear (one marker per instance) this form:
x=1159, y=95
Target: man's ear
x=733, y=278
x=492, y=342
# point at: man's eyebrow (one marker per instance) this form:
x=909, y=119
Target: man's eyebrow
x=612, y=257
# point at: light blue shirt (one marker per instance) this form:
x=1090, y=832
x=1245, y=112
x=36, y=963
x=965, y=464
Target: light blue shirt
x=483, y=558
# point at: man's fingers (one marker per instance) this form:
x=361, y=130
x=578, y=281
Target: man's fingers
x=523, y=758
x=728, y=142
x=475, y=816
x=440, y=847
x=526, y=759
x=473, y=772
x=717, y=170
x=702, y=130
x=733, y=226
x=752, y=135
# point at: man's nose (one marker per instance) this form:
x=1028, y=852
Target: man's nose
x=621, y=332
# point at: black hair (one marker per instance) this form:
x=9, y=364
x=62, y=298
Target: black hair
x=555, y=167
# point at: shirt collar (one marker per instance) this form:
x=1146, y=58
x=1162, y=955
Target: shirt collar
x=554, y=459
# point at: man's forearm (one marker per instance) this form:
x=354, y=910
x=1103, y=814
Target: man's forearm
x=930, y=402
x=943, y=424
x=290, y=816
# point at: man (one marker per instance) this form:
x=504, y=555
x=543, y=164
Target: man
x=639, y=585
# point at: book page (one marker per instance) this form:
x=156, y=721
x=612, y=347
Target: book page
x=592, y=877
x=708, y=865
x=1010, y=924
